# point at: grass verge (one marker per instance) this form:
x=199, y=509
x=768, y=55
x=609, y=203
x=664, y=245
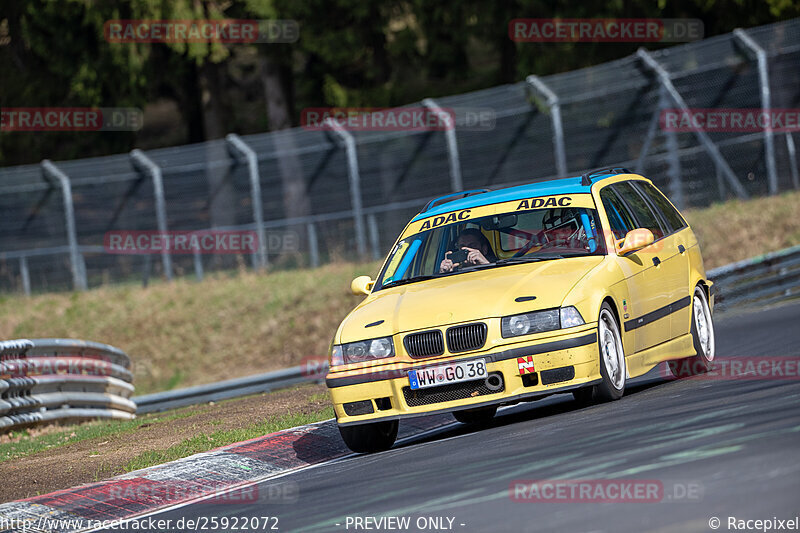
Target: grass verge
x=20, y=443
x=739, y=229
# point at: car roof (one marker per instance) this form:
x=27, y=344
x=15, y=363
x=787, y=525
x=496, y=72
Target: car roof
x=573, y=185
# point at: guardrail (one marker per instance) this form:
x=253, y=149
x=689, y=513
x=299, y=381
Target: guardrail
x=44, y=380
x=761, y=280
x=232, y=388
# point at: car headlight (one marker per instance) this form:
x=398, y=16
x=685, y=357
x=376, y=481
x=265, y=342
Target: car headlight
x=540, y=321
x=358, y=352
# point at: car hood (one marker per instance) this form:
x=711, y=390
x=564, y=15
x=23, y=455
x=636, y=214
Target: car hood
x=464, y=297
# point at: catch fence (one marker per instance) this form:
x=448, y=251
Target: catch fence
x=314, y=196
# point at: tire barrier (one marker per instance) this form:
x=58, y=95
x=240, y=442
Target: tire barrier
x=45, y=380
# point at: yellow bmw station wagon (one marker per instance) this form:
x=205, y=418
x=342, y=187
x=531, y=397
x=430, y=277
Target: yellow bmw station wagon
x=490, y=298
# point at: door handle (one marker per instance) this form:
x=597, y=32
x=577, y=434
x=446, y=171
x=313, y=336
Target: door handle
x=681, y=249
x=656, y=261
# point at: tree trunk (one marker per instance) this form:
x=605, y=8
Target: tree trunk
x=276, y=79
x=221, y=194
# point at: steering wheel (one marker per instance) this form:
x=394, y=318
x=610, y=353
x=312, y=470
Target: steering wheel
x=540, y=238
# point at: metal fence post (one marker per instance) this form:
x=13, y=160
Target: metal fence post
x=720, y=183
x=139, y=158
x=146, y=268
x=673, y=159
x=763, y=80
x=198, y=264
x=674, y=170
x=792, y=160
x=652, y=129
x=237, y=145
x=558, y=129
x=355, y=183
x=25, y=274
x=313, y=249
x=456, y=183
x=705, y=140
x=76, y=261
x=372, y=226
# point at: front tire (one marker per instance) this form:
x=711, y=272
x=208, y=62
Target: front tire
x=480, y=416
x=370, y=438
x=703, y=339
x=613, y=370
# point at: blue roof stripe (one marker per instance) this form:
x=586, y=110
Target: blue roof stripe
x=532, y=190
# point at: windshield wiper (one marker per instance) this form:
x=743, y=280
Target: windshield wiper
x=413, y=279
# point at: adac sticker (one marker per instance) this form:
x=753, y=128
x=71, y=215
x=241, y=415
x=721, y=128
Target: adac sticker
x=442, y=219
x=551, y=201
x=525, y=365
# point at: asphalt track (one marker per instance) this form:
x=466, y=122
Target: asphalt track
x=719, y=448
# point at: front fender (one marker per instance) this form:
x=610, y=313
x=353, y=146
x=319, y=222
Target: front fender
x=603, y=281
x=606, y=282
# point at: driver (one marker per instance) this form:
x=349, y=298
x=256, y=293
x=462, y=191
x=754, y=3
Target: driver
x=479, y=251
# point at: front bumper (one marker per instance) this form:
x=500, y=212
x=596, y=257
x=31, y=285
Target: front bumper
x=560, y=363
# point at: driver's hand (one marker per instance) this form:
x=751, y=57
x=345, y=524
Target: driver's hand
x=475, y=257
x=447, y=265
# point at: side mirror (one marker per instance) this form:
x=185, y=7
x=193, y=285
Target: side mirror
x=362, y=285
x=635, y=240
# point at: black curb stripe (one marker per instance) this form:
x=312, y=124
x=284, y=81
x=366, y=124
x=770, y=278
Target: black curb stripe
x=662, y=312
x=554, y=346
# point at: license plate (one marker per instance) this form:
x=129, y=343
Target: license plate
x=433, y=376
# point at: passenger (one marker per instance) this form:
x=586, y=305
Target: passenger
x=475, y=243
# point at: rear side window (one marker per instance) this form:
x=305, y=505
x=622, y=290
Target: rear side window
x=645, y=217
x=673, y=219
x=619, y=217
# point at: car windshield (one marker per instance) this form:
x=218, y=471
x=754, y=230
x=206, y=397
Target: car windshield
x=493, y=241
